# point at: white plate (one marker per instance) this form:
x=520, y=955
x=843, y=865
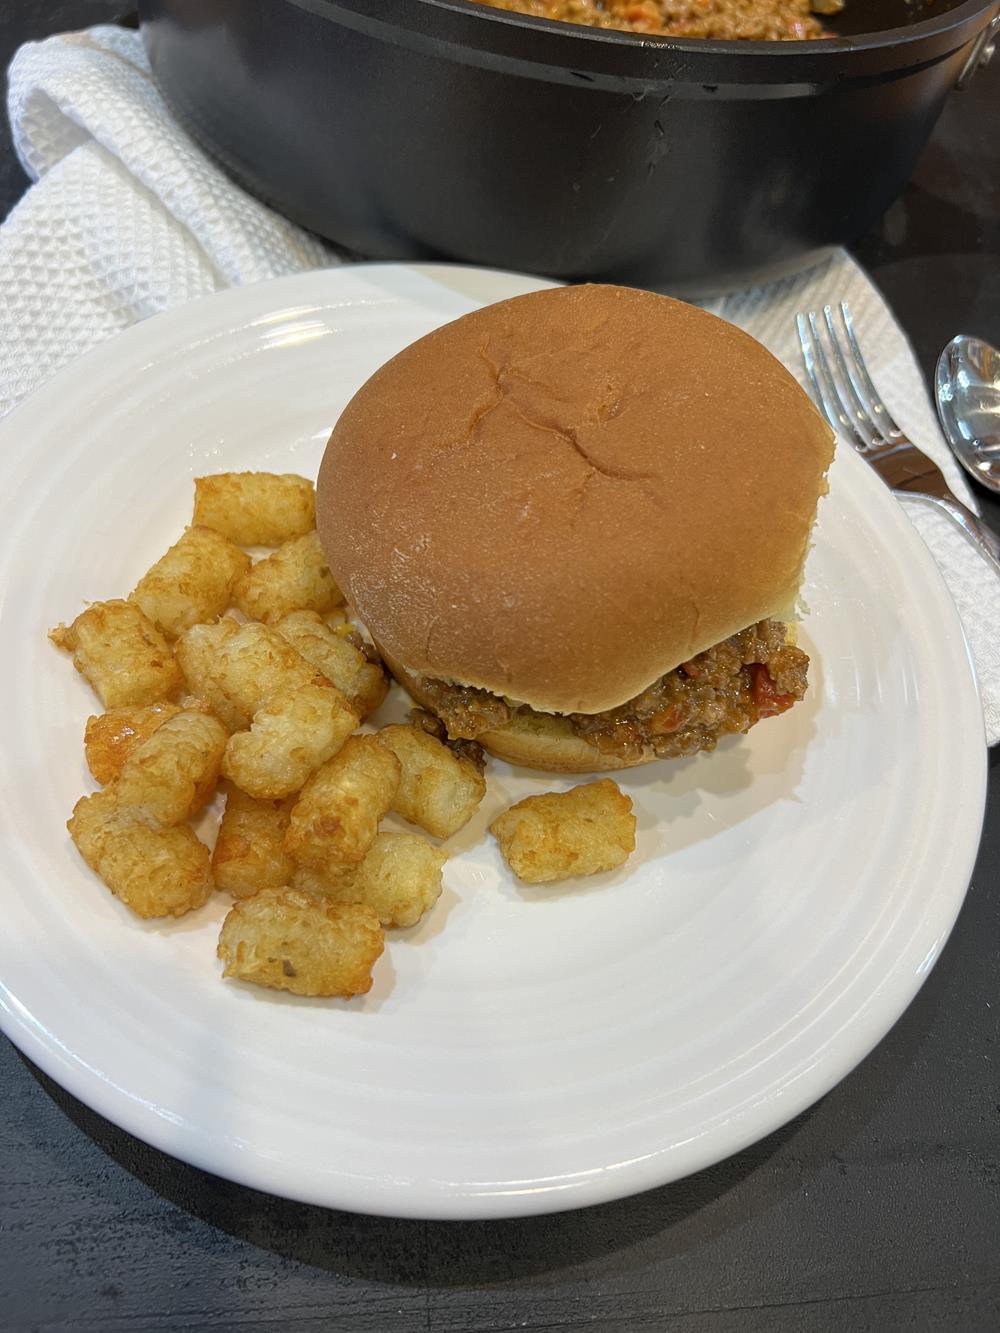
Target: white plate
x=523, y=1050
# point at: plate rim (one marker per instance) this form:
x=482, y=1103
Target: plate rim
x=115, y=1103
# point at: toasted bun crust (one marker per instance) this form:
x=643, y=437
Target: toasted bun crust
x=560, y=497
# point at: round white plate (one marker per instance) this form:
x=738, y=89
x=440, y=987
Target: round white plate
x=524, y=1049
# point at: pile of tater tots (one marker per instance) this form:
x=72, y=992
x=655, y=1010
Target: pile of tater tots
x=268, y=700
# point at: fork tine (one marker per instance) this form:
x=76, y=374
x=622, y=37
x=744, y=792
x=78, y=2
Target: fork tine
x=808, y=361
x=880, y=413
x=825, y=390
x=853, y=414
x=852, y=390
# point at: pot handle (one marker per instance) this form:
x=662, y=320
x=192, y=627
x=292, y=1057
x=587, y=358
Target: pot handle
x=981, y=54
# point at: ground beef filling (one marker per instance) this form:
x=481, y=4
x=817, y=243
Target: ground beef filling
x=722, y=691
x=735, y=20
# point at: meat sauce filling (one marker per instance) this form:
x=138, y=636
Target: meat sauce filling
x=734, y=20
x=722, y=691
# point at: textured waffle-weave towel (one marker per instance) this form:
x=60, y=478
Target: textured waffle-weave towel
x=128, y=217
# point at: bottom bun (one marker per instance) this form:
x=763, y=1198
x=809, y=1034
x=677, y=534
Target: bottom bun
x=539, y=740
x=533, y=740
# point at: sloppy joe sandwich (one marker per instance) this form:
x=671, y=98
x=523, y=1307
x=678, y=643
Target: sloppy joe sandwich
x=575, y=525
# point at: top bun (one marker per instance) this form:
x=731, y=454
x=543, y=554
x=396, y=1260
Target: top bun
x=561, y=497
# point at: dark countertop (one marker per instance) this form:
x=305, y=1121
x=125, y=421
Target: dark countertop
x=877, y=1209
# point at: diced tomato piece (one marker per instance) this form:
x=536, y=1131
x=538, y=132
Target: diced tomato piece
x=667, y=720
x=766, y=698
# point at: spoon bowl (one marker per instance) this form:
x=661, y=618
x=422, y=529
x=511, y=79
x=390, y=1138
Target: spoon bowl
x=967, y=390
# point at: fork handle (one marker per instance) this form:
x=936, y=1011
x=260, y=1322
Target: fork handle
x=983, y=538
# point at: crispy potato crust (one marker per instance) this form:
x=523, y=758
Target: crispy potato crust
x=580, y=832
x=255, y=508
x=121, y=653
x=155, y=872
x=289, y=940
x=288, y=740
x=438, y=789
x=239, y=668
x=192, y=583
x=197, y=650
x=364, y=683
x=255, y=664
x=295, y=577
x=172, y=774
x=249, y=851
x=399, y=879
x=112, y=736
x=335, y=819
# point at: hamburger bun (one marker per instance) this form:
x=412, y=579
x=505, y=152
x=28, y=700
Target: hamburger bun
x=561, y=497
x=534, y=740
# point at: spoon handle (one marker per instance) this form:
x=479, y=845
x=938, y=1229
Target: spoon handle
x=983, y=538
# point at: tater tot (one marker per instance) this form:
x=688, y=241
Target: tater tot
x=238, y=668
x=557, y=835
x=255, y=508
x=249, y=852
x=172, y=774
x=335, y=819
x=111, y=737
x=399, y=879
x=364, y=683
x=288, y=740
x=255, y=664
x=197, y=651
x=121, y=653
x=438, y=789
x=191, y=583
x=290, y=940
x=295, y=577
x=155, y=872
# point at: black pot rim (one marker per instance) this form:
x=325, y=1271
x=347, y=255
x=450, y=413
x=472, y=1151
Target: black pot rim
x=477, y=34
x=573, y=32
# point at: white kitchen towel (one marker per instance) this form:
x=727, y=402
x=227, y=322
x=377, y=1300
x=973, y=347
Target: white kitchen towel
x=128, y=217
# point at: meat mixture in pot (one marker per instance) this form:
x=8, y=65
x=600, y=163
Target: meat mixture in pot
x=733, y=20
x=724, y=690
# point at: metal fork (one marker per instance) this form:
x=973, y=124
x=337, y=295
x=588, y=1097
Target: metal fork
x=843, y=391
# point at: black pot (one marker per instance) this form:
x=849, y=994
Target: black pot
x=437, y=128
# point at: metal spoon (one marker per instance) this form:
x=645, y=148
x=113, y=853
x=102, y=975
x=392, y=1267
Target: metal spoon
x=967, y=389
